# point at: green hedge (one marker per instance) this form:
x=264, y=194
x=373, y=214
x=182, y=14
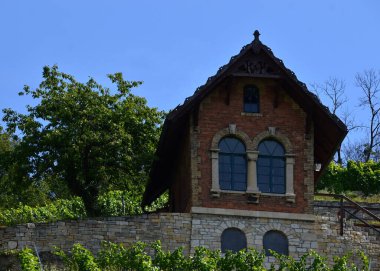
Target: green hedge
x=355, y=176
x=113, y=203
x=117, y=257
x=58, y=210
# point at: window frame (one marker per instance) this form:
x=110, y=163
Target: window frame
x=272, y=168
x=256, y=96
x=233, y=165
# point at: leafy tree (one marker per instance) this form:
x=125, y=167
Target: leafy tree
x=83, y=138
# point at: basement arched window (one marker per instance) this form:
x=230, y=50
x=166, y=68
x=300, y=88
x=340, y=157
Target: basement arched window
x=233, y=239
x=276, y=241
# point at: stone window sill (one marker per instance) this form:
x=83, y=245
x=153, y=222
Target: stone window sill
x=251, y=114
x=289, y=197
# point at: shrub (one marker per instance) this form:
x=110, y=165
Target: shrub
x=117, y=257
x=355, y=176
x=58, y=210
x=28, y=260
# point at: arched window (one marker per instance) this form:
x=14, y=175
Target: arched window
x=251, y=99
x=276, y=241
x=232, y=164
x=271, y=167
x=233, y=239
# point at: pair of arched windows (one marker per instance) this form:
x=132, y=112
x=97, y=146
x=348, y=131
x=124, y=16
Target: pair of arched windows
x=234, y=239
x=270, y=166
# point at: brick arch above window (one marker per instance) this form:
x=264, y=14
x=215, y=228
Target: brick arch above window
x=281, y=138
x=234, y=133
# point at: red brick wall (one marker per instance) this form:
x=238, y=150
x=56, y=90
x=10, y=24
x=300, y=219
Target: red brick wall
x=287, y=117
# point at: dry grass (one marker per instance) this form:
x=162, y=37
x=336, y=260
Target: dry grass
x=355, y=196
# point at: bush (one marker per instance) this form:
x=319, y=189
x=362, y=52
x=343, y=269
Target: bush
x=112, y=203
x=120, y=203
x=58, y=210
x=28, y=260
x=117, y=257
x=355, y=176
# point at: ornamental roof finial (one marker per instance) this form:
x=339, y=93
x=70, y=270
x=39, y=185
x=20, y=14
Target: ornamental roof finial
x=256, y=34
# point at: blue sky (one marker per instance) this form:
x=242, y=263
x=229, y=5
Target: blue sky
x=174, y=46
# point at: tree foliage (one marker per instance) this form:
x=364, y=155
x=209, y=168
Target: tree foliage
x=355, y=176
x=58, y=210
x=82, y=139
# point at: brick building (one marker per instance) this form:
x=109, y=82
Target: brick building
x=284, y=138
x=249, y=144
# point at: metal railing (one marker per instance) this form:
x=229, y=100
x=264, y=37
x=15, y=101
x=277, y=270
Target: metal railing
x=350, y=207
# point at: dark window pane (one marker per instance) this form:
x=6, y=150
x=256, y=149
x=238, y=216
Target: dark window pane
x=271, y=167
x=278, y=180
x=251, y=99
x=233, y=239
x=278, y=162
x=251, y=108
x=232, y=164
x=239, y=186
x=276, y=241
x=264, y=188
x=278, y=189
x=231, y=145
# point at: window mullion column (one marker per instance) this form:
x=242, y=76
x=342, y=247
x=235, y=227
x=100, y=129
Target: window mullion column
x=215, y=189
x=289, y=160
x=252, y=172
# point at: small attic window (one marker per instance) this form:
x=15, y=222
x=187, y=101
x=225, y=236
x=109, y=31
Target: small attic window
x=251, y=99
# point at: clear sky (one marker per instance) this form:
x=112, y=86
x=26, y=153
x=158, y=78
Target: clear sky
x=174, y=46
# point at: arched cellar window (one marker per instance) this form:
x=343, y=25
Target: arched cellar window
x=232, y=164
x=233, y=239
x=276, y=241
x=251, y=99
x=271, y=167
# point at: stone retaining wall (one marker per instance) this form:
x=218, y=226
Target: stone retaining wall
x=172, y=228
x=330, y=208
x=189, y=230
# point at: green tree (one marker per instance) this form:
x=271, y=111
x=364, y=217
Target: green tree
x=83, y=138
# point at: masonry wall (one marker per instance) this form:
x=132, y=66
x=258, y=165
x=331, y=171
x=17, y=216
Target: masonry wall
x=190, y=230
x=173, y=229
x=224, y=106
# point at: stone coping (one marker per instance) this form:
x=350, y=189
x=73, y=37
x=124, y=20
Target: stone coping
x=259, y=214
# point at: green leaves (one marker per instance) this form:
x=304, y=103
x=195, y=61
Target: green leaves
x=112, y=203
x=28, y=260
x=58, y=210
x=356, y=176
x=137, y=257
x=87, y=137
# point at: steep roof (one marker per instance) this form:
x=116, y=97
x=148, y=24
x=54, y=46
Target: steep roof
x=255, y=60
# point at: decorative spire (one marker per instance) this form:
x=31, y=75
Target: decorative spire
x=256, y=34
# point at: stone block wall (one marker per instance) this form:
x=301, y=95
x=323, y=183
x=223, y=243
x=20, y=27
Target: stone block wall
x=173, y=229
x=189, y=230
